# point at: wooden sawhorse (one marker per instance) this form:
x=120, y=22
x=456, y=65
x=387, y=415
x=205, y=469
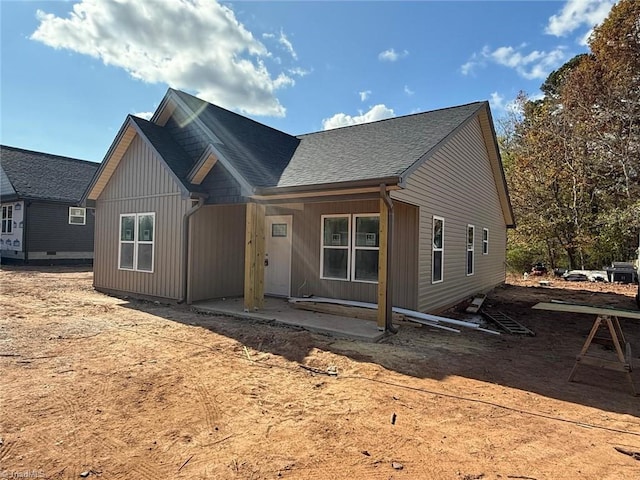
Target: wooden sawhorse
x=605, y=317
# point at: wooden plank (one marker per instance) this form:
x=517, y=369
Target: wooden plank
x=383, y=265
x=344, y=311
x=573, y=308
x=260, y=255
x=603, y=363
x=250, y=259
x=476, y=304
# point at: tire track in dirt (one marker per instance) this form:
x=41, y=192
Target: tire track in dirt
x=147, y=471
x=6, y=448
x=70, y=409
x=208, y=405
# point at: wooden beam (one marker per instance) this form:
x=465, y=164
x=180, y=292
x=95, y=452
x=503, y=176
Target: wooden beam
x=383, y=265
x=260, y=255
x=250, y=259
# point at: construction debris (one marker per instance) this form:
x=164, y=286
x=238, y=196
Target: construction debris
x=476, y=303
x=507, y=324
x=424, y=318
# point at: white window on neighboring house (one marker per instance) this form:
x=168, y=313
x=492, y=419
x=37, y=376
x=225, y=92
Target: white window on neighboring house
x=437, y=258
x=470, y=248
x=366, y=246
x=7, y=219
x=485, y=241
x=77, y=216
x=336, y=247
x=137, y=231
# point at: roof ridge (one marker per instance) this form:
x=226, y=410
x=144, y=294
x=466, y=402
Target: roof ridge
x=478, y=102
x=46, y=154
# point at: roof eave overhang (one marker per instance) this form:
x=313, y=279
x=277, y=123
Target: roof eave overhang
x=324, y=189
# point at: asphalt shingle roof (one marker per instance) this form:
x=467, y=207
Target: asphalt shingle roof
x=45, y=176
x=385, y=148
x=266, y=157
x=259, y=153
x=172, y=153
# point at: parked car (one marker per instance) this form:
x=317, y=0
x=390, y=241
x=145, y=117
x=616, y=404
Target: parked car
x=539, y=269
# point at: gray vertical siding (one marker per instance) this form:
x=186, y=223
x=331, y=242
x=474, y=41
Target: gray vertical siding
x=48, y=229
x=141, y=184
x=217, y=237
x=305, y=274
x=457, y=183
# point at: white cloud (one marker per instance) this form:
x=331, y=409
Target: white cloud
x=377, y=112
x=364, y=95
x=207, y=51
x=391, y=55
x=576, y=14
x=496, y=101
x=288, y=46
x=145, y=115
x=408, y=91
x=299, y=72
x=532, y=65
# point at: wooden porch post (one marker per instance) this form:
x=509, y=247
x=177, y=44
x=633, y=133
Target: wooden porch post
x=250, y=258
x=254, y=257
x=383, y=265
x=260, y=252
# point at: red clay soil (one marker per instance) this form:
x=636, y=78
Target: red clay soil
x=122, y=389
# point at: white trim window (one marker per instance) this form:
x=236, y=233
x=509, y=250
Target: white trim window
x=350, y=245
x=77, y=216
x=485, y=241
x=137, y=233
x=437, y=250
x=366, y=247
x=471, y=230
x=335, y=251
x=7, y=219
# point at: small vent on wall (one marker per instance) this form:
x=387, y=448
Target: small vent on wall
x=52, y=253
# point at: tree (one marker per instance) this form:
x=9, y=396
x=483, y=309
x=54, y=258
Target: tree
x=573, y=159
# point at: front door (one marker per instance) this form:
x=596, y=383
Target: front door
x=277, y=270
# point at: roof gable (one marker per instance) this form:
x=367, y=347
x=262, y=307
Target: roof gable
x=44, y=176
x=176, y=161
x=257, y=152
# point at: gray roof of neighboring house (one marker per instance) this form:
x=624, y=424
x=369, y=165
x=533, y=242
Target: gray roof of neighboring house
x=45, y=176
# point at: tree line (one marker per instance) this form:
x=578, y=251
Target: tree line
x=572, y=158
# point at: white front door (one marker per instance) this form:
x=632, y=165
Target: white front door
x=277, y=270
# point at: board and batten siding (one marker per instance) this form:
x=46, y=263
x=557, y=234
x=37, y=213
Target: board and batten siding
x=305, y=262
x=140, y=184
x=217, y=244
x=457, y=184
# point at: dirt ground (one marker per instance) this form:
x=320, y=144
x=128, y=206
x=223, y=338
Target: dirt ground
x=121, y=389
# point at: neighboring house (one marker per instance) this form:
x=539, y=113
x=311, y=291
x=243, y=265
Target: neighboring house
x=203, y=203
x=42, y=218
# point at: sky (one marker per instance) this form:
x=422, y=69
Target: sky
x=71, y=71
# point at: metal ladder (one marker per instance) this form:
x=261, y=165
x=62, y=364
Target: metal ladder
x=508, y=324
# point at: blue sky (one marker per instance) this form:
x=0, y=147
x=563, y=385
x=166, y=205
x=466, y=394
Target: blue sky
x=72, y=70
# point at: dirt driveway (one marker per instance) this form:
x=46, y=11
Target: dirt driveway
x=120, y=389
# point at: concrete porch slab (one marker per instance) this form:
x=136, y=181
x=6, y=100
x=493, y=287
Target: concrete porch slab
x=280, y=311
